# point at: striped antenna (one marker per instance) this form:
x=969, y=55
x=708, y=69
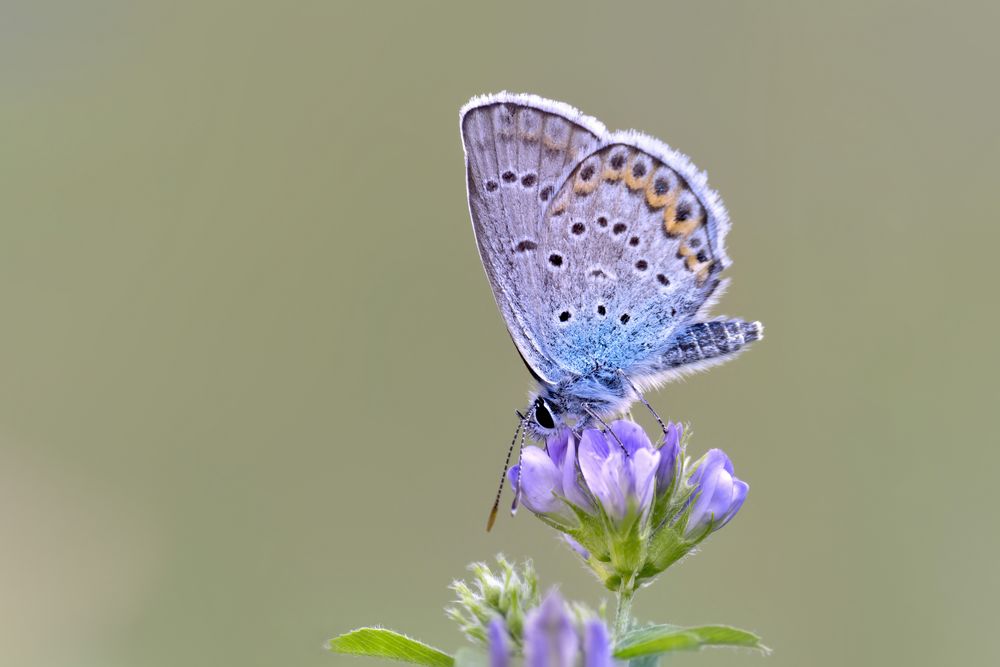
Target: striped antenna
x=503, y=475
x=520, y=468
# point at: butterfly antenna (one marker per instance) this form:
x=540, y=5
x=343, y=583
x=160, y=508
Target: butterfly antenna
x=596, y=416
x=503, y=476
x=520, y=468
x=644, y=401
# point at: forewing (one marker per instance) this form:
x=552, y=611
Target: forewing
x=519, y=150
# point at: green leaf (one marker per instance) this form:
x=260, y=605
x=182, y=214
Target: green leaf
x=379, y=643
x=665, y=638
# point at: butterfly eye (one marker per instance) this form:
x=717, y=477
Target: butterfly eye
x=542, y=415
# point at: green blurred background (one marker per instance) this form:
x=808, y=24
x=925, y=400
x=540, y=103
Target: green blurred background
x=254, y=390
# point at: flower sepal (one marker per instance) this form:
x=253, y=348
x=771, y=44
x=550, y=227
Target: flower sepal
x=666, y=548
x=614, y=550
x=628, y=544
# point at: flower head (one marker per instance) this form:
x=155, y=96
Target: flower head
x=628, y=507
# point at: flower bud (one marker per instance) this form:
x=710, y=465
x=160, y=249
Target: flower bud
x=718, y=495
x=505, y=593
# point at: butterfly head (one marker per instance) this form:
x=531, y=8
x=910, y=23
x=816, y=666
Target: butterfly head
x=544, y=418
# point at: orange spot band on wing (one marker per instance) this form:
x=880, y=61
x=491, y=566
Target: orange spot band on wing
x=632, y=179
x=675, y=228
x=654, y=200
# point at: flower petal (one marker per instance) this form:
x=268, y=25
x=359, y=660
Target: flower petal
x=722, y=497
x=672, y=437
x=713, y=458
x=614, y=479
x=616, y=483
x=549, y=637
x=719, y=493
x=513, y=476
x=571, y=479
x=644, y=464
x=556, y=444
x=540, y=481
x=576, y=546
x=593, y=443
x=740, y=489
x=706, y=479
x=597, y=647
x=666, y=469
x=499, y=644
x=631, y=435
x=593, y=455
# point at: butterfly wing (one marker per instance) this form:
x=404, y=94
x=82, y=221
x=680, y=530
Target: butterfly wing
x=604, y=250
x=629, y=252
x=519, y=150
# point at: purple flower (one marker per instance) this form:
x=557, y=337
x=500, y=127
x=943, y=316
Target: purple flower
x=596, y=647
x=628, y=507
x=547, y=476
x=620, y=480
x=718, y=494
x=551, y=638
x=499, y=643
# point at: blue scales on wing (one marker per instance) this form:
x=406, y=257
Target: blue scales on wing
x=637, y=261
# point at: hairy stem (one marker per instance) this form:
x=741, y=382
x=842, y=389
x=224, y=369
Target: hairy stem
x=623, y=611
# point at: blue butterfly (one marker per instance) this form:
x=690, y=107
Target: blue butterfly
x=604, y=251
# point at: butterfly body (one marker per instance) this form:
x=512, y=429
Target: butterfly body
x=604, y=251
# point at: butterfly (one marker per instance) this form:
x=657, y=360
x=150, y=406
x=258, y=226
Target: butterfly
x=604, y=251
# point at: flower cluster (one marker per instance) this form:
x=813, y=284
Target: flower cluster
x=629, y=508
x=504, y=594
x=502, y=611
x=553, y=638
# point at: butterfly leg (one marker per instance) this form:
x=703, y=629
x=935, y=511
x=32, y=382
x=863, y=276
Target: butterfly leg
x=643, y=399
x=592, y=413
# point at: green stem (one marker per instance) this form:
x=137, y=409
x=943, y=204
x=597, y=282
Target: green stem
x=623, y=611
